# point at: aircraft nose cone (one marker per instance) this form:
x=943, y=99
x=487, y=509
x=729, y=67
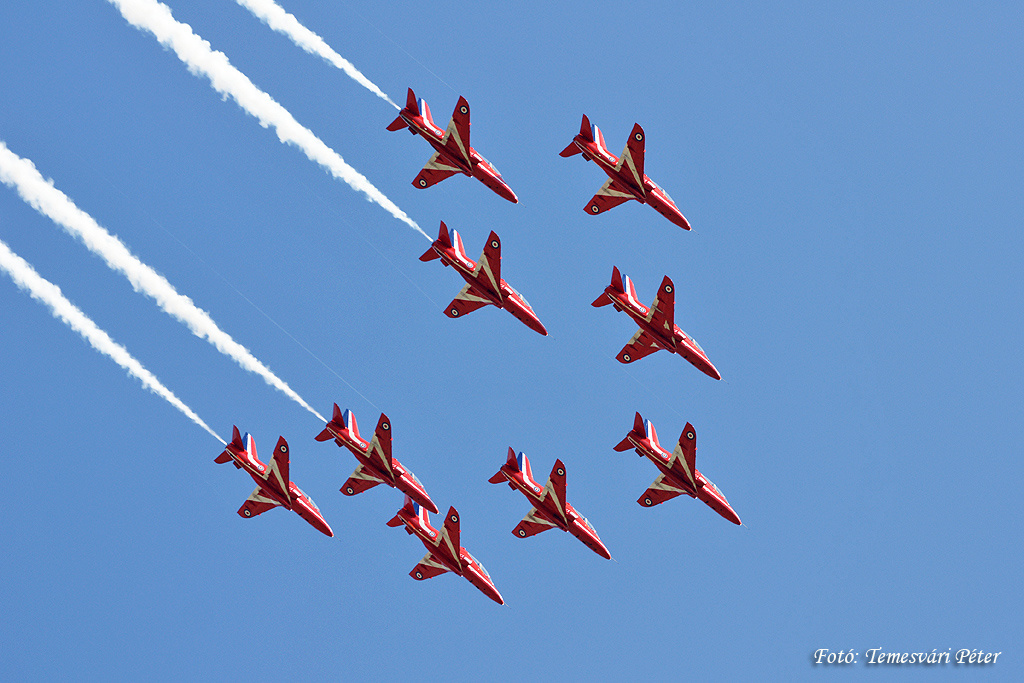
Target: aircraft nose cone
x=731, y=515
x=493, y=594
x=706, y=366
x=324, y=528
x=680, y=220
x=506, y=192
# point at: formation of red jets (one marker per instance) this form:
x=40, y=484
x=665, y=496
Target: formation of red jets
x=678, y=473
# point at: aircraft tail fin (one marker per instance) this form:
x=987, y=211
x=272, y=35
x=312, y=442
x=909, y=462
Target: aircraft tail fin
x=630, y=290
x=652, y=433
x=638, y=430
x=598, y=137
x=425, y=111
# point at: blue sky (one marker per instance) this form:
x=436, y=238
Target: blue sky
x=853, y=176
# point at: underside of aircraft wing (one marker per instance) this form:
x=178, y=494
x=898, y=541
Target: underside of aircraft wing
x=663, y=312
x=686, y=453
x=465, y=302
x=257, y=504
x=278, y=472
x=609, y=196
x=428, y=568
x=456, y=136
x=642, y=344
x=532, y=525
x=361, y=480
x=380, y=445
x=659, y=492
x=434, y=172
x=632, y=159
x=554, y=490
x=489, y=265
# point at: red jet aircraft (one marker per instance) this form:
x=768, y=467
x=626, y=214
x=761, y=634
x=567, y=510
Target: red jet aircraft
x=273, y=487
x=626, y=177
x=453, y=153
x=444, y=554
x=376, y=466
x=679, y=473
x=657, y=326
x=483, y=279
x=550, y=509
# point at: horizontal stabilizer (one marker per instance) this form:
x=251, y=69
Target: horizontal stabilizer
x=585, y=131
x=512, y=460
x=570, y=150
x=398, y=124
x=395, y=521
x=638, y=430
x=617, y=279
x=223, y=458
x=624, y=445
x=325, y=435
x=236, y=438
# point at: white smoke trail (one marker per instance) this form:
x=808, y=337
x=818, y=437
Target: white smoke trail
x=274, y=16
x=22, y=175
x=196, y=53
x=26, y=278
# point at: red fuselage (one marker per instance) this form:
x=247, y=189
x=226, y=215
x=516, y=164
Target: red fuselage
x=649, y=193
x=507, y=298
x=676, y=474
x=478, y=168
x=466, y=566
x=294, y=499
x=574, y=523
x=675, y=341
x=400, y=478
